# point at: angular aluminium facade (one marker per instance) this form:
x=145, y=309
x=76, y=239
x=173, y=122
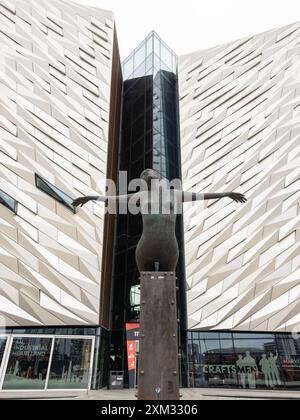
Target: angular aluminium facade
x=240, y=131
x=57, y=85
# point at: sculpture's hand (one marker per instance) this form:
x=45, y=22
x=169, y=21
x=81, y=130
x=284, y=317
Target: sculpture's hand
x=237, y=197
x=81, y=201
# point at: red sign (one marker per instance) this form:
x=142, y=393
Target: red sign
x=131, y=354
x=132, y=339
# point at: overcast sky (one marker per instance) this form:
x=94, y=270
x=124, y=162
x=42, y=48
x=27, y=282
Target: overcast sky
x=191, y=25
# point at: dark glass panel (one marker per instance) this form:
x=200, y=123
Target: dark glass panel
x=9, y=202
x=155, y=99
x=138, y=128
x=137, y=168
x=135, y=224
x=80, y=331
x=126, y=135
x=139, y=106
x=149, y=120
x=3, y=342
x=39, y=331
x=120, y=264
x=138, y=149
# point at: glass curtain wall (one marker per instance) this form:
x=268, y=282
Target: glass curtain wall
x=150, y=139
x=28, y=364
x=243, y=360
x=46, y=362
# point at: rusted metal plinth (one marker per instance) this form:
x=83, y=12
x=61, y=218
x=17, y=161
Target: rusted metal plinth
x=158, y=362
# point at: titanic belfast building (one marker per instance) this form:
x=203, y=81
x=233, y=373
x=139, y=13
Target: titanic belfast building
x=73, y=115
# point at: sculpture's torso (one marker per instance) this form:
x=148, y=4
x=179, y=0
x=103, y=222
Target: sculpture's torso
x=158, y=243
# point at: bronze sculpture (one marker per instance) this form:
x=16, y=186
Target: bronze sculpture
x=157, y=249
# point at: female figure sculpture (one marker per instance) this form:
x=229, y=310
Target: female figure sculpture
x=157, y=249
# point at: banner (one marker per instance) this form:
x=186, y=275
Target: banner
x=132, y=331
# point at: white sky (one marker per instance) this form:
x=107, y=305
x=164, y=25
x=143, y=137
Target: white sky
x=191, y=25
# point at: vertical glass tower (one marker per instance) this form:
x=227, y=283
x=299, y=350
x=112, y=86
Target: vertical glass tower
x=150, y=139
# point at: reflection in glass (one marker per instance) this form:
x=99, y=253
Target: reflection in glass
x=256, y=345
x=135, y=301
x=8, y=201
x=2, y=348
x=290, y=360
x=70, y=365
x=28, y=363
x=250, y=361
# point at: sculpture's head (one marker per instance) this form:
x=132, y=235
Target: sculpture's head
x=150, y=174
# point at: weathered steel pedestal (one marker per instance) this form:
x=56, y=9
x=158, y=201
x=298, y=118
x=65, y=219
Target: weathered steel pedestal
x=158, y=362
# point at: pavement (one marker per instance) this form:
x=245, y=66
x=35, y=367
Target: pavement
x=199, y=394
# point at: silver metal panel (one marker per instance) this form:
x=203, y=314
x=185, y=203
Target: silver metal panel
x=55, y=84
x=239, y=111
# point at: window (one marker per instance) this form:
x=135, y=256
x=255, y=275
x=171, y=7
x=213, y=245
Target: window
x=140, y=55
x=135, y=296
x=128, y=68
x=28, y=363
x=246, y=360
x=47, y=362
x=289, y=355
x=54, y=192
x=150, y=45
x=2, y=347
x=70, y=367
x=135, y=302
x=8, y=202
x=167, y=57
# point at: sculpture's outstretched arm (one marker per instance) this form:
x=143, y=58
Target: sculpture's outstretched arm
x=190, y=196
x=81, y=201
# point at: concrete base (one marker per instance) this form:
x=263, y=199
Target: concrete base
x=158, y=360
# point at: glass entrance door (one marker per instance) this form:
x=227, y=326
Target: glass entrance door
x=46, y=363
